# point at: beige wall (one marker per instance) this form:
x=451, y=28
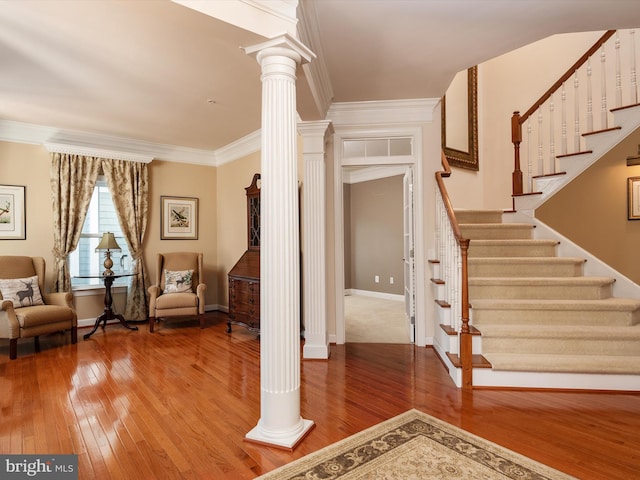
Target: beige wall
x=592, y=210
x=507, y=83
x=185, y=180
x=232, y=180
x=374, y=243
x=22, y=164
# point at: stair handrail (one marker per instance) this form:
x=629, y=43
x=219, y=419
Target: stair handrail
x=518, y=120
x=466, y=350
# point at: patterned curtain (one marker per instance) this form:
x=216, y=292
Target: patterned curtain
x=129, y=186
x=73, y=178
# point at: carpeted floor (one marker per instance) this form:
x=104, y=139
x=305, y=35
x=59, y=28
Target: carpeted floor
x=414, y=445
x=374, y=320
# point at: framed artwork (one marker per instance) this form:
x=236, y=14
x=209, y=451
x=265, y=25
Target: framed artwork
x=633, y=198
x=459, y=116
x=13, y=221
x=179, y=218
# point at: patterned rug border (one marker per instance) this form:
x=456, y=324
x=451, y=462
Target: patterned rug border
x=344, y=457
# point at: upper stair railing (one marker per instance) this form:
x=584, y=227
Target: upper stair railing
x=453, y=251
x=605, y=76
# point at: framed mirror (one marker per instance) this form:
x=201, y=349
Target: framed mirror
x=460, y=121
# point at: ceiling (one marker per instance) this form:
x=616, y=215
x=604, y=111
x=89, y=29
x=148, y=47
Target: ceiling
x=157, y=71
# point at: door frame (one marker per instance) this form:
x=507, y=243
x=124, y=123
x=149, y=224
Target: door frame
x=415, y=161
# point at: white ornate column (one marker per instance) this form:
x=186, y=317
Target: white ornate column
x=314, y=135
x=280, y=422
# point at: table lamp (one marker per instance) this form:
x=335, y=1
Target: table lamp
x=108, y=243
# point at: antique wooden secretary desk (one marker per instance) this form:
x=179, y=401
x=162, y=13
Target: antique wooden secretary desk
x=244, y=277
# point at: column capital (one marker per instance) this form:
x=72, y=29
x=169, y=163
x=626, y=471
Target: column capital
x=314, y=135
x=284, y=45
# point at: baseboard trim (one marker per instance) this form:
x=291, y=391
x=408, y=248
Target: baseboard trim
x=369, y=293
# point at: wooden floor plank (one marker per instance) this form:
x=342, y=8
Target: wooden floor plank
x=178, y=403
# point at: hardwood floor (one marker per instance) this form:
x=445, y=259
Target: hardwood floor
x=177, y=404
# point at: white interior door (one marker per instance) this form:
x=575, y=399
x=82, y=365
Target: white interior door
x=408, y=254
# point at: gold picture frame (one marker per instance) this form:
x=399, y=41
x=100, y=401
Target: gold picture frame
x=457, y=155
x=179, y=218
x=633, y=198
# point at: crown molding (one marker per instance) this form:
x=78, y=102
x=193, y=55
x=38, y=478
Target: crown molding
x=96, y=152
x=240, y=148
x=316, y=72
x=116, y=147
x=383, y=112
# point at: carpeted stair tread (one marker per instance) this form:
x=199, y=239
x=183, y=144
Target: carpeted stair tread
x=512, y=248
x=608, y=311
x=478, y=216
x=525, y=266
x=490, y=231
x=606, y=304
x=598, y=364
x=563, y=331
x=588, y=288
x=562, y=339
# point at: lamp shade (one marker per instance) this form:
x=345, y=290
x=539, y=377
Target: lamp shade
x=108, y=242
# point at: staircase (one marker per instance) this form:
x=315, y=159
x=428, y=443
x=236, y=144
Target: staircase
x=544, y=312
x=538, y=313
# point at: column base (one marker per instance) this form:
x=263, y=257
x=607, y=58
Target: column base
x=319, y=352
x=286, y=442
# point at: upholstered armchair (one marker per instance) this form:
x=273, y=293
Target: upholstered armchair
x=25, y=309
x=178, y=290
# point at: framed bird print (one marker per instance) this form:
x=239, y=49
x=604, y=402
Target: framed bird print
x=179, y=218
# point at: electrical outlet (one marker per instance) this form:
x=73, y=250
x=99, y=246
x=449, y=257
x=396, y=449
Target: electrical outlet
x=391, y=280
x=376, y=279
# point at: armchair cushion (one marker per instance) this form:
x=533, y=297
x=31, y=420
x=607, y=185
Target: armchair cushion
x=176, y=300
x=22, y=292
x=178, y=281
x=29, y=317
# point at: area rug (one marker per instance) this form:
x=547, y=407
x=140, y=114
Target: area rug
x=414, y=445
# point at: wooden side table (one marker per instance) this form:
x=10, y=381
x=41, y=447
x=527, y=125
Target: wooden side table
x=108, y=313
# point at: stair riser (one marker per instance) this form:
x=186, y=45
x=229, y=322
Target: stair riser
x=571, y=346
x=511, y=250
x=553, y=317
x=524, y=270
x=498, y=232
x=540, y=292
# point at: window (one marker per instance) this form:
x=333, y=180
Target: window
x=101, y=217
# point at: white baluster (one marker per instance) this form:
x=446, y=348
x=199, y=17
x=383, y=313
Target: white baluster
x=529, y=156
x=603, y=102
x=576, y=112
x=540, y=158
x=634, y=83
x=552, y=136
x=618, y=72
x=564, y=119
x=589, y=98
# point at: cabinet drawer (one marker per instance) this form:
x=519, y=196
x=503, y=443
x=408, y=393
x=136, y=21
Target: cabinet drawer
x=243, y=285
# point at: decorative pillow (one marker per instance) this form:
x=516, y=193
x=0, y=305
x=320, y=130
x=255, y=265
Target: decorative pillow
x=177, y=281
x=23, y=292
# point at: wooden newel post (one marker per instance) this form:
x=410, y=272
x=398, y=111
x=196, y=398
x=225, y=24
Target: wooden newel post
x=516, y=138
x=466, y=346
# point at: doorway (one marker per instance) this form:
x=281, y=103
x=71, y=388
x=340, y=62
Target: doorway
x=379, y=304
x=382, y=147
